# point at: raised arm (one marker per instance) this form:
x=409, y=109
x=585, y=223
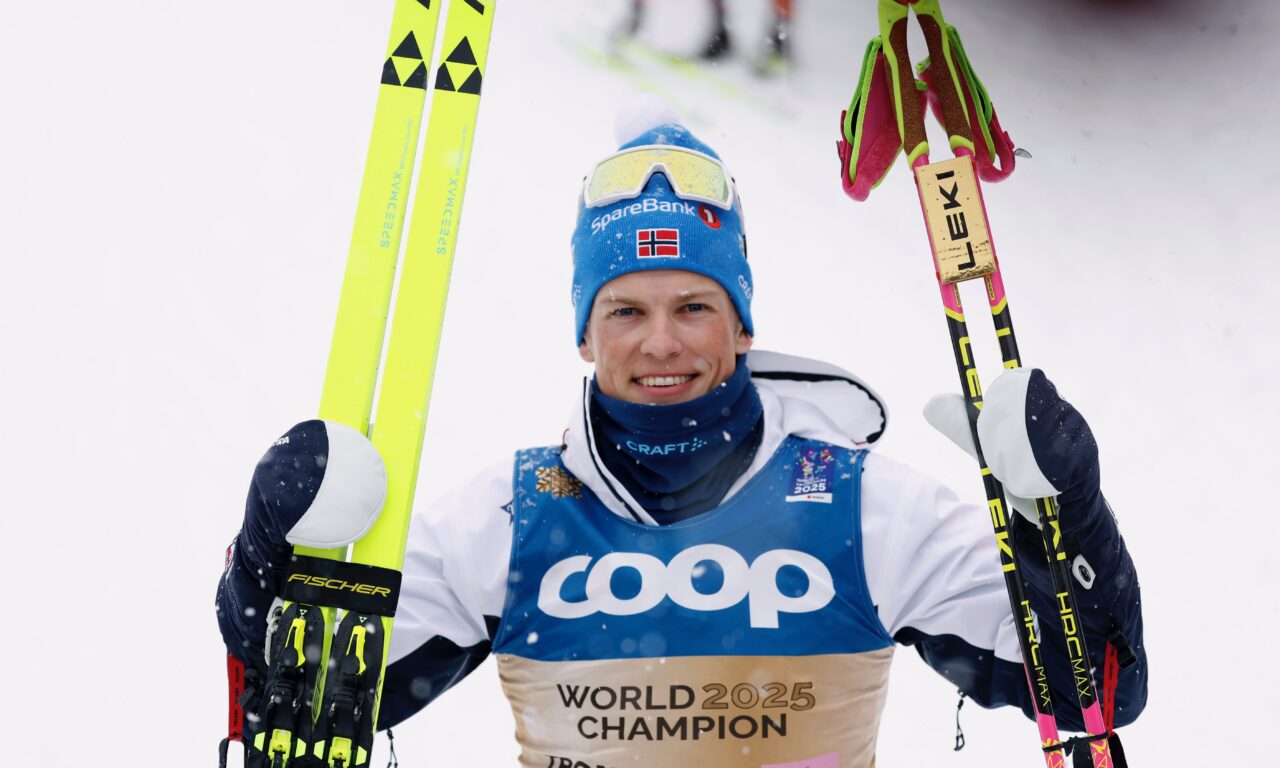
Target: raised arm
x=935, y=576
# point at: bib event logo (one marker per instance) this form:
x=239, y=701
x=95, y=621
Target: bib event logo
x=811, y=480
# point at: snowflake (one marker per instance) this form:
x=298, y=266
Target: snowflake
x=558, y=483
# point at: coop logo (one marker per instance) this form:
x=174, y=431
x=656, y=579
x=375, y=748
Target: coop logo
x=757, y=583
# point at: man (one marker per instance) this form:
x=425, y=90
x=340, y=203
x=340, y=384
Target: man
x=711, y=567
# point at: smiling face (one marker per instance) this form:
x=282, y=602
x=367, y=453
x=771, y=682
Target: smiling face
x=662, y=336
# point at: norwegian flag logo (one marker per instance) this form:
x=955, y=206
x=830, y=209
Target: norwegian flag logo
x=657, y=243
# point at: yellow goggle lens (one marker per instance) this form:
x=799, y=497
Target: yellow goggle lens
x=692, y=176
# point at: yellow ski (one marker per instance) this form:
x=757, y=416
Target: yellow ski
x=296, y=675
x=344, y=733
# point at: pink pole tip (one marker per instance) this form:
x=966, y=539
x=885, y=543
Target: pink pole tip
x=1099, y=749
x=1049, y=738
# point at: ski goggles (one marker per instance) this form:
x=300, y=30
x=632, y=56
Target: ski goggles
x=691, y=174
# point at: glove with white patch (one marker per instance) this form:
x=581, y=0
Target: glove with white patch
x=1035, y=443
x=1038, y=445
x=321, y=484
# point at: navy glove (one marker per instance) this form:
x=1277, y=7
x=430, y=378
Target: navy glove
x=321, y=484
x=1037, y=445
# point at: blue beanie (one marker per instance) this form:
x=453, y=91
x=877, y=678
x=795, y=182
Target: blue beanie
x=658, y=230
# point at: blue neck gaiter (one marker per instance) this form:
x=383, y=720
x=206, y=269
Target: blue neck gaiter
x=679, y=460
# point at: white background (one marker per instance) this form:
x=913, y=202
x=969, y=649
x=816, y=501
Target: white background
x=177, y=183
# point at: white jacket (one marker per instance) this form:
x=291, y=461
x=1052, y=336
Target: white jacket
x=931, y=564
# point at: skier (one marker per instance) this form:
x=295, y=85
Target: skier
x=718, y=45
x=712, y=566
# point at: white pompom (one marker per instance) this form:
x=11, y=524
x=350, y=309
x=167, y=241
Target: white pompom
x=646, y=112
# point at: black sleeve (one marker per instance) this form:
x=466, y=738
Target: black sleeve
x=434, y=667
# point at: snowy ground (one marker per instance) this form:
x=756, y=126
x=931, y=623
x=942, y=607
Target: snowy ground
x=176, y=189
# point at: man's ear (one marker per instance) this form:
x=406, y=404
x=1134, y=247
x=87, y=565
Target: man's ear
x=743, y=341
x=584, y=349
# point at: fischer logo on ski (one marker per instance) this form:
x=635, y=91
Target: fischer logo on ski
x=340, y=585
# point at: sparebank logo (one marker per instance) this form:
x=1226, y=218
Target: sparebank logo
x=647, y=205
x=757, y=583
